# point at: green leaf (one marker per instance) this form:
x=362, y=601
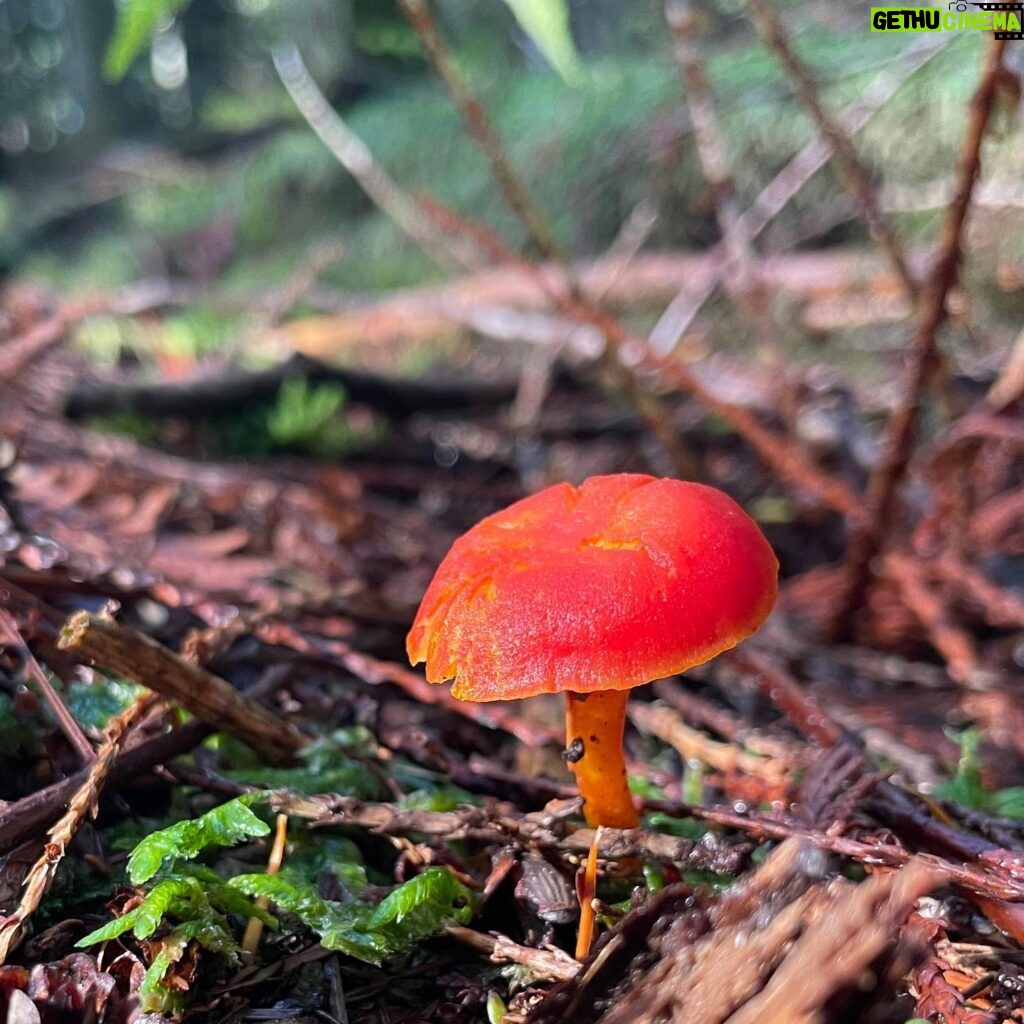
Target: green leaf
x=1008, y=803
x=136, y=22
x=303, y=410
x=440, y=798
x=546, y=22
x=200, y=902
x=225, y=899
x=420, y=905
x=412, y=912
x=153, y=996
x=226, y=825
x=143, y=920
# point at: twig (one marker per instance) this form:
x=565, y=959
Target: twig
x=545, y=964
x=35, y=342
x=254, y=926
x=68, y=726
x=690, y=743
x=29, y=814
x=489, y=824
x=994, y=880
x=480, y=129
x=869, y=536
x=785, y=456
x=954, y=643
x=736, y=240
x=852, y=172
x=788, y=696
x=375, y=671
x=352, y=153
x=1000, y=608
x=476, y=823
x=212, y=700
x=784, y=187
x=775, y=196
x=1009, y=385
x=83, y=802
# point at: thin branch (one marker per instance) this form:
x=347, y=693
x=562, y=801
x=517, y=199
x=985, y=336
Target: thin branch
x=922, y=354
x=741, y=267
x=736, y=240
x=65, y=720
x=83, y=802
x=954, y=643
x=778, y=193
x=352, y=153
x=785, y=186
x=852, y=172
x=546, y=964
x=212, y=700
x=479, y=126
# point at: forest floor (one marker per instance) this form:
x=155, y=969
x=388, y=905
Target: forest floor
x=227, y=796
x=830, y=830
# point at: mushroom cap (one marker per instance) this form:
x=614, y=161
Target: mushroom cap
x=624, y=579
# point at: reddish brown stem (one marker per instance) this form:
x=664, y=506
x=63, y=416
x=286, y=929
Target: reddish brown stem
x=922, y=356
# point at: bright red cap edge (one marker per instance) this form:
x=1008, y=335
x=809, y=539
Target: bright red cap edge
x=625, y=579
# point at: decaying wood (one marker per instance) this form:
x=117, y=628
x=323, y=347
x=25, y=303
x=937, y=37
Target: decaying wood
x=135, y=656
x=545, y=964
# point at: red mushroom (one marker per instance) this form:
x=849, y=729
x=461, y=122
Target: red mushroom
x=591, y=591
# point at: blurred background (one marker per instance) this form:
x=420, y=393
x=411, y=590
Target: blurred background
x=154, y=139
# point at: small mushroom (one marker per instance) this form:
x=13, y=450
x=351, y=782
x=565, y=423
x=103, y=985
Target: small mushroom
x=591, y=591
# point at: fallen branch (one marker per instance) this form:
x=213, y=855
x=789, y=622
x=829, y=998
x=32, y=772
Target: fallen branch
x=133, y=655
x=218, y=396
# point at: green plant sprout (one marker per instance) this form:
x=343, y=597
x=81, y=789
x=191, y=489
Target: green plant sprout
x=188, y=903
x=967, y=786
x=307, y=417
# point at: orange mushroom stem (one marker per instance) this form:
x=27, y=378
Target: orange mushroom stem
x=594, y=724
